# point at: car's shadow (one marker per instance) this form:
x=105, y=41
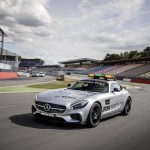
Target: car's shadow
x=28, y=120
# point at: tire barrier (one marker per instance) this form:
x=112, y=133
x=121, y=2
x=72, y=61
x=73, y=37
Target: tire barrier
x=139, y=80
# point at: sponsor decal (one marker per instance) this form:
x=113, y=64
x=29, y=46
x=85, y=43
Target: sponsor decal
x=65, y=97
x=113, y=107
x=93, y=82
x=106, y=108
x=68, y=97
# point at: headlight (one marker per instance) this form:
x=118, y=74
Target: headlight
x=79, y=105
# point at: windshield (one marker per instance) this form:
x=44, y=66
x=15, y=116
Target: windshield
x=93, y=86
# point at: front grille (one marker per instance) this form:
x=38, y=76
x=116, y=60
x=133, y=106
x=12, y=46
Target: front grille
x=57, y=119
x=55, y=108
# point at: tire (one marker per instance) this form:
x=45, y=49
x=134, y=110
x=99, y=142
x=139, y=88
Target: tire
x=127, y=107
x=94, y=115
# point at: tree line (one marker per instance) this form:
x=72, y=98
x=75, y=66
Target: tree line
x=128, y=55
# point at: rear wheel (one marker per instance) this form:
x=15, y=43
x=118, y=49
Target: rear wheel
x=94, y=115
x=127, y=107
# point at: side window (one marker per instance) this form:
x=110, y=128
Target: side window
x=116, y=87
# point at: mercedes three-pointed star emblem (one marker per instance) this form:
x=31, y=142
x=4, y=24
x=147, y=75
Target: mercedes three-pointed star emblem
x=47, y=107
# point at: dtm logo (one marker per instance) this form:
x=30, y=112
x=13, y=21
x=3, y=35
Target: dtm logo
x=47, y=107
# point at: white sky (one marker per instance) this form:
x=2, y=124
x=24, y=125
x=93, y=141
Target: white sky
x=58, y=30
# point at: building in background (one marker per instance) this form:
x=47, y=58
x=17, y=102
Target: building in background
x=10, y=61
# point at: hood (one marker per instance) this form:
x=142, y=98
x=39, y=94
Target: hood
x=63, y=96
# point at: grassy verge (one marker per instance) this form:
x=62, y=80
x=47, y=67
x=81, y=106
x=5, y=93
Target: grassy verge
x=53, y=85
x=19, y=89
x=44, y=86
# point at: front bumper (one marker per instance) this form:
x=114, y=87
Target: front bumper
x=71, y=116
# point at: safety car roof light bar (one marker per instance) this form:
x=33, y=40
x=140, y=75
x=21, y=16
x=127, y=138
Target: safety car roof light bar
x=101, y=76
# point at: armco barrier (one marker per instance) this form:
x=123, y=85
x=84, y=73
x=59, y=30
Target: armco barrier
x=6, y=75
x=126, y=80
x=139, y=80
x=23, y=74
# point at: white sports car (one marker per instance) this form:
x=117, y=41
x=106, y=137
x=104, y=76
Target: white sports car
x=85, y=102
x=38, y=74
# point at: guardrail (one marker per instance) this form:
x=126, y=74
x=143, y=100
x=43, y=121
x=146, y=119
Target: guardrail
x=23, y=74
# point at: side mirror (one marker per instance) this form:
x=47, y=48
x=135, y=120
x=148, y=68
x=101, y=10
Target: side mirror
x=68, y=85
x=116, y=90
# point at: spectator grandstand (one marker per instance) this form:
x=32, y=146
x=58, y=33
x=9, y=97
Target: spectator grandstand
x=122, y=69
x=28, y=63
x=95, y=69
x=134, y=72
x=83, y=62
x=145, y=75
x=110, y=68
x=125, y=68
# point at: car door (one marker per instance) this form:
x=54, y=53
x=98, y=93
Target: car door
x=114, y=102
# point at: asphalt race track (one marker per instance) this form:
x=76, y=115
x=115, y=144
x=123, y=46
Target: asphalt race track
x=20, y=131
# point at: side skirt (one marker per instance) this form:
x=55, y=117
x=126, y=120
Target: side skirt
x=106, y=116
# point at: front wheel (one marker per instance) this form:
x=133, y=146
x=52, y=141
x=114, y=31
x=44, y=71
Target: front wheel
x=94, y=115
x=127, y=107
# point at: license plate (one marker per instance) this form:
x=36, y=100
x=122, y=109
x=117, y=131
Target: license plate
x=47, y=114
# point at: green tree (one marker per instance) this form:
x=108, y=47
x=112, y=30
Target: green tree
x=133, y=54
x=146, y=52
x=126, y=55
x=107, y=57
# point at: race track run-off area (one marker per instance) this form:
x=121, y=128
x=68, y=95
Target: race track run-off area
x=20, y=131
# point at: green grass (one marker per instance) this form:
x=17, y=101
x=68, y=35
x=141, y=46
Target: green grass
x=19, y=89
x=53, y=85
x=45, y=86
